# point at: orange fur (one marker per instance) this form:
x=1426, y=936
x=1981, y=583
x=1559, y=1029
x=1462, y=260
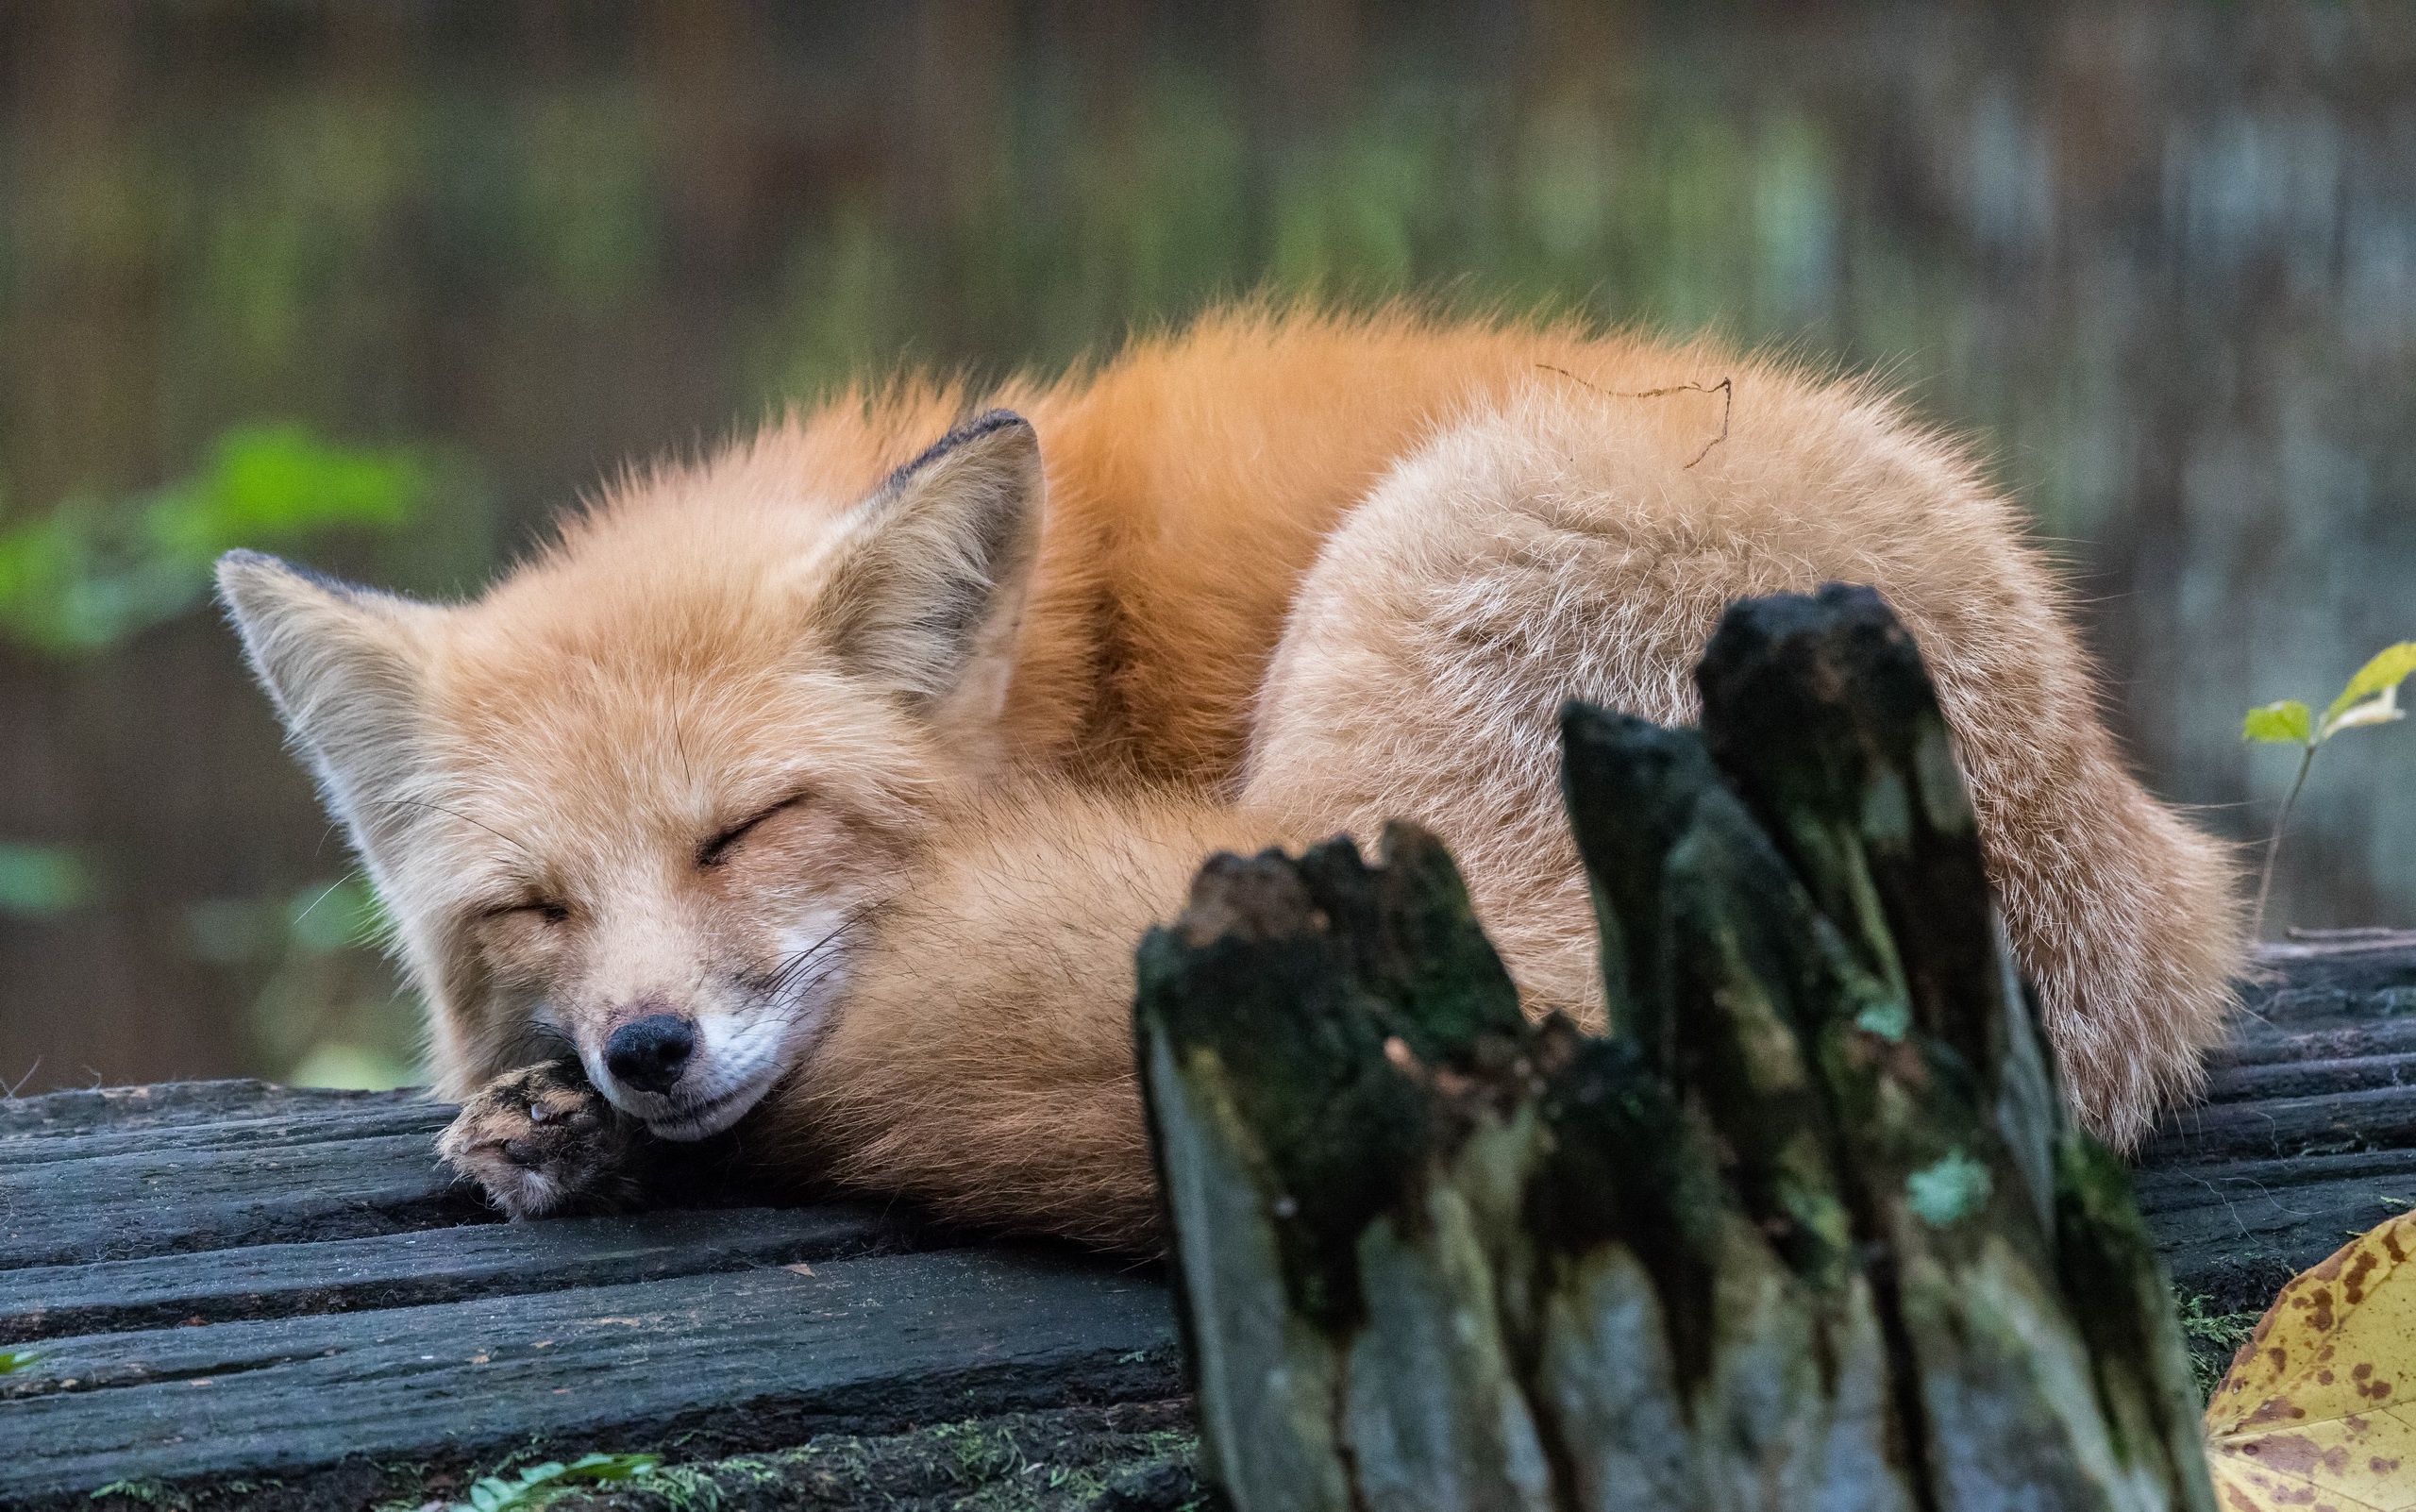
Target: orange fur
x=1295, y=572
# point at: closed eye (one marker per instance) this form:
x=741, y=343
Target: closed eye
x=538, y=908
x=716, y=850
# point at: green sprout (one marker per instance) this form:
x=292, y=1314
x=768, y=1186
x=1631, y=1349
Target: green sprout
x=12, y=1361
x=540, y=1483
x=2371, y=698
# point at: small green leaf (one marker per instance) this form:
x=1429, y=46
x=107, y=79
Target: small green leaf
x=14, y=1360
x=612, y=1466
x=2287, y=723
x=540, y=1485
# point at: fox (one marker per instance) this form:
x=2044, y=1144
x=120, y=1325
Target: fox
x=813, y=792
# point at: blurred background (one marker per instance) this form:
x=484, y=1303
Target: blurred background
x=384, y=284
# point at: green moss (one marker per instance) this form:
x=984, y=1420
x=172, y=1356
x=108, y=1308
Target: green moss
x=148, y=1492
x=2213, y=1339
x=1059, y=1461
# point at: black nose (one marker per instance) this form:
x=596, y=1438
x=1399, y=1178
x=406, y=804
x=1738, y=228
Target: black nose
x=649, y=1054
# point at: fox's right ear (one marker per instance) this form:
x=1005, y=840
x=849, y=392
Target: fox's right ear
x=345, y=666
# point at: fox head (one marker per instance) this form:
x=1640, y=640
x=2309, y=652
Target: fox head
x=640, y=799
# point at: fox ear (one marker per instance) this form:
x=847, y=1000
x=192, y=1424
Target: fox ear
x=344, y=667
x=929, y=584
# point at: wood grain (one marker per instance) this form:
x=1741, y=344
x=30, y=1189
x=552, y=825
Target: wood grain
x=745, y=1359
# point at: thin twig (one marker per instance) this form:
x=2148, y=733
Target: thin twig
x=2273, y=846
x=1726, y=388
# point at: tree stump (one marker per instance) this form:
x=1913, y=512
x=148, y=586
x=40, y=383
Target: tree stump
x=1809, y=1229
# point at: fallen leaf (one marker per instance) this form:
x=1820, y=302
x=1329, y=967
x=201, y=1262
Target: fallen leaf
x=2319, y=1408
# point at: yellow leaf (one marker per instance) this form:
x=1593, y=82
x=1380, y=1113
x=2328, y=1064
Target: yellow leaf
x=2319, y=1409
x=2380, y=710
x=2382, y=673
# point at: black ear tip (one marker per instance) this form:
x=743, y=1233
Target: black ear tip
x=988, y=423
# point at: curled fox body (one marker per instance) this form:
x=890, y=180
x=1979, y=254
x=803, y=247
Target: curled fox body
x=826, y=783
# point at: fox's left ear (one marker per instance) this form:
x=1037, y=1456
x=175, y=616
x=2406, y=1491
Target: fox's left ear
x=930, y=583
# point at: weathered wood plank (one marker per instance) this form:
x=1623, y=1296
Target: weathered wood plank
x=721, y=1363
x=233, y=1129
x=2356, y=974
x=2354, y=1072
x=235, y=1200
x=2232, y=1234
x=170, y=1200
x=2308, y=1134
x=2289, y=1128
x=2298, y=1035
x=162, y=1105
x=433, y=1266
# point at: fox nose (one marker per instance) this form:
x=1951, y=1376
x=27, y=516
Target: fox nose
x=649, y=1054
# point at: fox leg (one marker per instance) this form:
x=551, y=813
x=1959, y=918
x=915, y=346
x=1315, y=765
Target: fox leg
x=983, y=1059
x=540, y=1140
x=1563, y=546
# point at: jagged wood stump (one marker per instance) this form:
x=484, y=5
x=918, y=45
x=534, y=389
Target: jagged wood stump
x=1810, y=1230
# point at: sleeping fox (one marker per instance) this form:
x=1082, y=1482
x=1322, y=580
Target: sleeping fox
x=822, y=787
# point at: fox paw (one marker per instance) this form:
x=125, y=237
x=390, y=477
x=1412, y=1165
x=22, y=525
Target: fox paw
x=540, y=1141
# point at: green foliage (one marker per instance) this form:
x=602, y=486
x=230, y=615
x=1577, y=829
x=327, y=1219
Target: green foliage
x=37, y=880
x=91, y=574
x=540, y=1483
x=2278, y=724
x=2371, y=698
x=150, y=1490
x=1021, y=1462
x=2213, y=1339
x=12, y=1361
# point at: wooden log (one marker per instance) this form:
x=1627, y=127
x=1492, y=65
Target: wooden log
x=747, y=1359
x=1810, y=1228
x=78, y=1113
x=157, y=1197
x=280, y=1423
x=417, y=1269
x=2229, y=1228
x=2308, y=1134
